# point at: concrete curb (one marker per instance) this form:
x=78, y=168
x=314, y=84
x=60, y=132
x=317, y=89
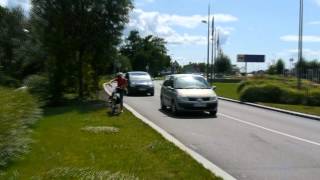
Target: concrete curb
x=313, y=117
x=200, y=159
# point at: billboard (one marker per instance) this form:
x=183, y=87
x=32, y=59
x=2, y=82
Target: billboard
x=251, y=58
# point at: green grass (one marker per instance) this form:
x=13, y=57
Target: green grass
x=129, y=149
x=18, y=112
x=227, y=90
x=314, y=110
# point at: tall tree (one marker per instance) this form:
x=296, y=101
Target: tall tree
x=143, y=52
x=79, y=36
x=12, y=36
x=280, y=66
x=223, y=64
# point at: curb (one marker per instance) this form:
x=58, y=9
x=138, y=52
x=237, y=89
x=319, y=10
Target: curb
x=313, y=117
x=200, y=159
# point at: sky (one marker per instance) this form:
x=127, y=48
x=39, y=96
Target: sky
x=245, y=27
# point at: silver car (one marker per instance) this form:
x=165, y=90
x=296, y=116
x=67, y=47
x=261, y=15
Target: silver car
x=188, y=92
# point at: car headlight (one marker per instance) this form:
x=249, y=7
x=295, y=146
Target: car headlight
x=213, y=98
x=182, y=98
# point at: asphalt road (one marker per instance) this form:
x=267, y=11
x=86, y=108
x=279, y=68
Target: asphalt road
x=247, y=142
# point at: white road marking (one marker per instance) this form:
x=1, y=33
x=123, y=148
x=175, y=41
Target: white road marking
x=270, y=130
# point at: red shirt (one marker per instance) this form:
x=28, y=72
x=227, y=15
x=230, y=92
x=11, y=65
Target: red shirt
x=121, y=82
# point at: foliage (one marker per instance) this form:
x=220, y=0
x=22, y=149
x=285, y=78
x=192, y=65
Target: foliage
x=63, y=151
x=143, y=52
x=278, y=90
x=18, y=112
x=78, y=52
x=223, y=64
x=280, y=66
x=194, y=67
x=38, y=86
x=12, y=37
x=277, y=68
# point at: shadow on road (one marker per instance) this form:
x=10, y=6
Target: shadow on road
x=188, y=115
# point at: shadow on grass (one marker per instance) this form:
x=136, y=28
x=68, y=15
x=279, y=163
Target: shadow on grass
x=188, y=115
x=76, y=106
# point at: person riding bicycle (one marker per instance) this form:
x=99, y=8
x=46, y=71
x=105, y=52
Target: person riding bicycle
x=121, y=87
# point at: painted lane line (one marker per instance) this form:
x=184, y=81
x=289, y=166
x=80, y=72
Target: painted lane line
x=199, y=158
x=270, y=130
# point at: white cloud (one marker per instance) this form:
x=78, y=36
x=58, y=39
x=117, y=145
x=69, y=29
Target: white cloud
x=314, y=23
x=295, y=38
x=3, y=2
x=25, y=4
x=317, y=2
x=162, y=25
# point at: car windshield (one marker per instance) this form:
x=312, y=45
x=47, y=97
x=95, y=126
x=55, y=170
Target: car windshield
x=191, y=82
x=140, y=78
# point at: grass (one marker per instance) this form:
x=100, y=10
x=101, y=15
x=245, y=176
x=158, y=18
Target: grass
x=71, y=143
x=314, y=110
x=18, y=112
x=227, y=90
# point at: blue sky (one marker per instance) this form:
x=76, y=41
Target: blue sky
x=246, y=26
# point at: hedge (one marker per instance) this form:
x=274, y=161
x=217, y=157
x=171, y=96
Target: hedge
x=18, y=112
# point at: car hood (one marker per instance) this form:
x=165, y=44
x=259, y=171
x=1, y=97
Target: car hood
x=196, y=92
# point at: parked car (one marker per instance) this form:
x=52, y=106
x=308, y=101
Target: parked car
x=188, y=92
x=139, y=82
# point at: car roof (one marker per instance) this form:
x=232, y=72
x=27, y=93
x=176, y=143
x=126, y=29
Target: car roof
x=137, y=73
x=182, y=75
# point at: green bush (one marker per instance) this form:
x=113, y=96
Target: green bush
x=313, y=98
x=261, y=93
x=18, y=112
x=275, y=93
x=39, y=87
x=8, y=81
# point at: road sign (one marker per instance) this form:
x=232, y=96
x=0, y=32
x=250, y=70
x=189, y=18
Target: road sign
x=251, y=58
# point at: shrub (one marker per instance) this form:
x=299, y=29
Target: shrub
x=39, y=87
x=313, y=98
x=261, y=93
x=291, y=96
x=18, y=112
x=8, y=81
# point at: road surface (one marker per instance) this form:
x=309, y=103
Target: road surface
x=247, y=142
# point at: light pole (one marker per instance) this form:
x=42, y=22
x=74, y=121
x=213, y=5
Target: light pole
x=208, y=43
x=212, y=49
x=300, y=44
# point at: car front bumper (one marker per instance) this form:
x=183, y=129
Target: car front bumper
x=195, y=106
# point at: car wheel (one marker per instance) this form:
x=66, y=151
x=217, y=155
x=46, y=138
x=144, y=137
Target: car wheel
x=174, y=109
x=152, y=94
x=213, y=113
x=163, y=107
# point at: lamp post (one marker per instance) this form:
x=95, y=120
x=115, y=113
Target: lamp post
x=300, y=44
x=208, y=43
x=213, y=57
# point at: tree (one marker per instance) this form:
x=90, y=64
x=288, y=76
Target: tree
x=223, y=64
x=280, y=66
x=149, y=51
x=79, y=38
x=12, y=37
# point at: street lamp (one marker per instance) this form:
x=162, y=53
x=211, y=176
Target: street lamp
x=300, y=44
x=208, y=38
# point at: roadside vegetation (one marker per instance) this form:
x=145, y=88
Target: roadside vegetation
x=275, y=91
x=81, y=141
x=19, y=111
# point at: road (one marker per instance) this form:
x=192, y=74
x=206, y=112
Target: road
x=247, y=142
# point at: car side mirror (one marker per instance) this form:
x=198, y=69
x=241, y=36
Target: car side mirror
x=214, y=87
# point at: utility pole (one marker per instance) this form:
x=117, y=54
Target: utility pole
x=300, y=44
x=212, y=48
x=208, y=48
